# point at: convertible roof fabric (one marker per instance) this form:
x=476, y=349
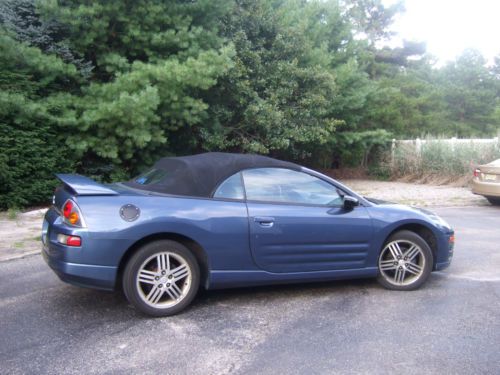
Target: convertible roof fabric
x=200, y=175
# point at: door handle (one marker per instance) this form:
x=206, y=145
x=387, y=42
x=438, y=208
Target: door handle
x=264, y=221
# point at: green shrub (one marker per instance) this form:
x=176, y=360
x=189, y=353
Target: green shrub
x=31, y=153
x=380, y=171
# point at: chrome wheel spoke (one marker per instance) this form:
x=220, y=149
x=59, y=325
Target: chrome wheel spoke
x=155, y=295
x=174, y=291
x=412, y=252
x=163, y=262
x=147, y=277
x=414, y=268
x=395, y=250
x=180, y=272
x=387, y=265
x=169, y=292
x=399, y=275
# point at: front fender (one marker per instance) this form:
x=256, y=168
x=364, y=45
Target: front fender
x=389, y=218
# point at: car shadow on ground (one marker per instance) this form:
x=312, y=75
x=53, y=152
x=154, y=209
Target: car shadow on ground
x=80, y=301
x=113, y=305
x=285, y=290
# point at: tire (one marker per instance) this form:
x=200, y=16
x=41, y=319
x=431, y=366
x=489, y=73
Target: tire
x=495, y=201
x=405, y=262
x=161, y=278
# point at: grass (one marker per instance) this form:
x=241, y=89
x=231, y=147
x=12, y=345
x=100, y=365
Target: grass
x=440, y=160
x=12, y=213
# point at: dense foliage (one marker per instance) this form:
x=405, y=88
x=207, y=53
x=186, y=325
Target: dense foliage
x=105, y=87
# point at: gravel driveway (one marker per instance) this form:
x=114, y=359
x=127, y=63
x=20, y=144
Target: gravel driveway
x=417, y=194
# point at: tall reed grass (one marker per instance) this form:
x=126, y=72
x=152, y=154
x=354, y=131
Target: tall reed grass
x=440, y=157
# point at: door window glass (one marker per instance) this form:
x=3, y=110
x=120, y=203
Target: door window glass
x=287, y=186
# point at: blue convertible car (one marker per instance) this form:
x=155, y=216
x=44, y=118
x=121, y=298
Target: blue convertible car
x=224, y=220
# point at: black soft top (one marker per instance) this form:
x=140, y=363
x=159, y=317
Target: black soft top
x=199, y=175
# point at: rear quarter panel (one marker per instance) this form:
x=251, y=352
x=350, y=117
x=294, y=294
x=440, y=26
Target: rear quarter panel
x=220, y=227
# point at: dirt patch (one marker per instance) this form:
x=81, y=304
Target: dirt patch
x=20, y=235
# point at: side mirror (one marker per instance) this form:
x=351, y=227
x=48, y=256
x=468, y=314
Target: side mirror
x=350, y=202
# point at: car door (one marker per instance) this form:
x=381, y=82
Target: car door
x=298, y=223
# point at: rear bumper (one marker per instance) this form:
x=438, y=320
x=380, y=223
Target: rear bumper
x=85, y=275
x=74, y=264
x=489, y=189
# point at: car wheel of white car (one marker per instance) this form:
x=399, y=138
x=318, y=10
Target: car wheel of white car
x=405, y=261
x=494, y=201
x=161, y=278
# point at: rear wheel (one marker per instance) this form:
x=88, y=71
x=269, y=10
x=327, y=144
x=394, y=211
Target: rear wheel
x=494, y=200
x=162, y=278
x=405, y=262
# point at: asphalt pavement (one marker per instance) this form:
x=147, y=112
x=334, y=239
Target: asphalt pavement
x=451, y=325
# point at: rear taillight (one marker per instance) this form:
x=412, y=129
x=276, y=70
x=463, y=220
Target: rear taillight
x=72, y=214
x=69, y=240
x=477, y=172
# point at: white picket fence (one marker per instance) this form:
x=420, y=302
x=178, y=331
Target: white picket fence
x=452, y=141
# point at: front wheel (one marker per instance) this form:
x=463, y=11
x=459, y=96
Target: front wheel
x=405, y=262
x=162, y=278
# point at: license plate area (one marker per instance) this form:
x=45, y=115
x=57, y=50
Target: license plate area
x=489, y=177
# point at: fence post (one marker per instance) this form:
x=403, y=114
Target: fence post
x=418, y=145
x=453, y=142
x=393, y=150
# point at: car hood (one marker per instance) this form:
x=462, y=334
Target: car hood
x=398, y=206
x=378, y=201
x=429, y=215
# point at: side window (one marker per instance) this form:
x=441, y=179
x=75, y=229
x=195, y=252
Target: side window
x=287, y=186
x=232, y=188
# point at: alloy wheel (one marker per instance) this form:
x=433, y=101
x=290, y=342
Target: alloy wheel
x=401, y=262
x=163, y=280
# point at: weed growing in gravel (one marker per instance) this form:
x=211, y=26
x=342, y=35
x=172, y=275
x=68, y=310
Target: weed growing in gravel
x=12, y=213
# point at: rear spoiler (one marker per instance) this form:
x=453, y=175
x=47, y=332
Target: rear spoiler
x=82, y=185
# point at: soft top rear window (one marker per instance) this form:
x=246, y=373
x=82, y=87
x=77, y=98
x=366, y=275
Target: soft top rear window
x=199, y=175
x=152, y=176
